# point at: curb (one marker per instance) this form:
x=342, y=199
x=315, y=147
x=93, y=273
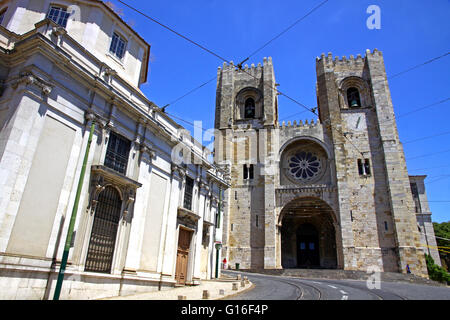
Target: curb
x=252, y=286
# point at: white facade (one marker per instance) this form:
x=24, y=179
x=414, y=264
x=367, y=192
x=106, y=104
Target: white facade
x=55, y=81
x=423, y=215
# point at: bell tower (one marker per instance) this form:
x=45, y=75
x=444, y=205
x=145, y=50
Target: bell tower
x=377, y=216
x=245, y=120
x=246, y=96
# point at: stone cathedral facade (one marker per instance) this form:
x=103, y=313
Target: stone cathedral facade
x=329, y=193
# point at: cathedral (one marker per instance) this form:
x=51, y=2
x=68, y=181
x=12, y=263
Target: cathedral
x=331, y=193
x=90, y=176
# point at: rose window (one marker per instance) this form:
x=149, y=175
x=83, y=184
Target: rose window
x=304, y=166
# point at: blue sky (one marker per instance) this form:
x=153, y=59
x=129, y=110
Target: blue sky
x=412, y=32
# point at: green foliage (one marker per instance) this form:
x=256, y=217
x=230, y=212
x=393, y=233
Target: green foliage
x=442, y=230
x=436, y=272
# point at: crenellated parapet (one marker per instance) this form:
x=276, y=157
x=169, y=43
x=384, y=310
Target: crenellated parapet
x=245, y=68
x=328, y=60
x=311, y=128
x=307, y=124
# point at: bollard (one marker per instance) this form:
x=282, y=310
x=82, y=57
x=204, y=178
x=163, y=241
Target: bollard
x=242, y=283
x=181, y=297
x=221, y=292
x=246, y=280
x=205, y=294
x=235, y=286
x=238, y=277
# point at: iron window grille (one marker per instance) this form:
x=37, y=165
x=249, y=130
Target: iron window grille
x=59, y=15
x=118, y=45
x=188, y=193
x=117, y=153
x=104, y=231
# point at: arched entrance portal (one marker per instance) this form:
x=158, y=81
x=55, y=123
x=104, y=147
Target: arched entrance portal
x=308, y=235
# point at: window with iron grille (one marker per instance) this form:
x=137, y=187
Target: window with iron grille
x=58, y=15
x=188, y=193
x=104, y=231
x=118, y=45
x=117, y=153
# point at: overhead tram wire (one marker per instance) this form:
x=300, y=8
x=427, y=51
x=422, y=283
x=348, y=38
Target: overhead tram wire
x=185, y=38
x=284, y=31
x=225, y=60
x=163, y=109
x=257, y=50
x=398, y=74
x=173, y=31
x=430, y=154
x=419, y=65
x=240, y=64
x=217, y=55
x=310, y=110
x=427, y=137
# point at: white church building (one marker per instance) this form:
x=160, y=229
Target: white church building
x=144, y=221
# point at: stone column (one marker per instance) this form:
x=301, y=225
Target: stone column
x=170, y=245
x=199, y=234
x=133, y=257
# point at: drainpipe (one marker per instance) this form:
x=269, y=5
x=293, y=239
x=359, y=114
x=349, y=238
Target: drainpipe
x=218, y=245
x=73, y=218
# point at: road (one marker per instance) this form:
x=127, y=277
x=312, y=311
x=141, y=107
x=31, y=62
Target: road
x=288, y=288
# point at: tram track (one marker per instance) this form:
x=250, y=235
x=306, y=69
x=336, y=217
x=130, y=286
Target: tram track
x=302, y=295
x=328, y=289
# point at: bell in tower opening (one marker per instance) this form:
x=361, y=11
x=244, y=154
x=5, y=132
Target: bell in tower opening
x=353, y=98
x=249, y=108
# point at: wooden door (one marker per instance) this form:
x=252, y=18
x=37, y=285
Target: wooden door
x=184, y=241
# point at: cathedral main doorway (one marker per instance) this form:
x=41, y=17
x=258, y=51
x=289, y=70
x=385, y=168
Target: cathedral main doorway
x=308, y=235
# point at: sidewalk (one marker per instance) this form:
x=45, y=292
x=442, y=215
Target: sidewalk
x=217, y=289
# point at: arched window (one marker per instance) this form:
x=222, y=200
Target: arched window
x=353, y=97
x=104, y=231
x=249, y=111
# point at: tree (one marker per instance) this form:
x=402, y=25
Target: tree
x=436, y=272
x=442, y=230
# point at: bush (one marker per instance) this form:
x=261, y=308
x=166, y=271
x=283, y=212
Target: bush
x=436, y=272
